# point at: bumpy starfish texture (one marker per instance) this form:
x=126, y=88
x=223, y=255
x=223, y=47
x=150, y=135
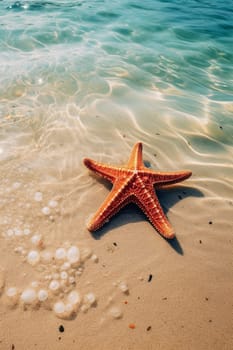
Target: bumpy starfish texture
x=134, y=183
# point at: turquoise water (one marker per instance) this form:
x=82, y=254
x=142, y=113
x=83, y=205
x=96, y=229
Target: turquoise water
x=105, y=72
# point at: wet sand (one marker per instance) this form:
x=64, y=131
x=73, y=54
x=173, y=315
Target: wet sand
x=177, y=294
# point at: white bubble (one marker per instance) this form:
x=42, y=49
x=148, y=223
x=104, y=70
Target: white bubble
x=115, y=312
x=64, y=275
x=45, y=210
x=55, y=276
x=65, y=266
x=53, y=204
x=26, y=231
x=36, y=240
x=54, y=285
x=90, y=298
x=74, y=298
x=59, y=308
x=73, y=255
x=38, y=196
x=12, y=295
x=63, y=310
x=42, y=295
x=12, y=292
x=10, y=233
x=28, y=296
x=71, y=280
x=16, y=185
x=46, y=256
x=33, y=257
x=34, y=284
x=60, y=254
x=17, y=232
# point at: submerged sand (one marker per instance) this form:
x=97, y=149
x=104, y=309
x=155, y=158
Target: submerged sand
x=177, y=295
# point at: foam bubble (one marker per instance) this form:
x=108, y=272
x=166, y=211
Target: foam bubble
x=63, y=310
x=115, y=312
x=90, y=298
x=36, y=240
x=74, y=298
x=26, y=231
x=64, y=275
x=73, y=255
x=10, y=233
x=53, y=204
x=33, y=257
x=28, y=296
x=38, y=196
x=46, y=256
x=42, y=295
x=60, y=254
x=59, y=308
x=54, y=286
x=12, y=295
x=45, y=210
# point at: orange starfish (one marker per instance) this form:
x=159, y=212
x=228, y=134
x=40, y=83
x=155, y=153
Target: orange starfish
x=134, y=183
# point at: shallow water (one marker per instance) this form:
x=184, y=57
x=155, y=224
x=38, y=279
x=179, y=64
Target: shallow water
x=89, y=79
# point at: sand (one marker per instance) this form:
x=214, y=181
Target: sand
x=176, y=294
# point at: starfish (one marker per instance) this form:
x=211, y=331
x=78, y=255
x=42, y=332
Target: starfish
x=134, y=183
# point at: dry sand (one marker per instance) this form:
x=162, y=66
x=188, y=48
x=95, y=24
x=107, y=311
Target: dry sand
x=179, y=293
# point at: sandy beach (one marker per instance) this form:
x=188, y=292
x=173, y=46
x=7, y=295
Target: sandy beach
x=177, y=293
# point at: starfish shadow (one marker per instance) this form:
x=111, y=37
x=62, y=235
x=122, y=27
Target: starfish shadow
x=132, y=214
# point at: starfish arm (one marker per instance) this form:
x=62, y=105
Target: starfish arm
x=163, y=179
x=108, y=172
x=116, y=199
x=149, y=203
x=135, y=160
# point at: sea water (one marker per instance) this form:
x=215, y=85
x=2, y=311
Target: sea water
x=95, y=76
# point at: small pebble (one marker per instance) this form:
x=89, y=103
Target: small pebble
x=94, y=258
x=132, y=326
x=61, y=328
x=150, y=278
x=123, y=287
